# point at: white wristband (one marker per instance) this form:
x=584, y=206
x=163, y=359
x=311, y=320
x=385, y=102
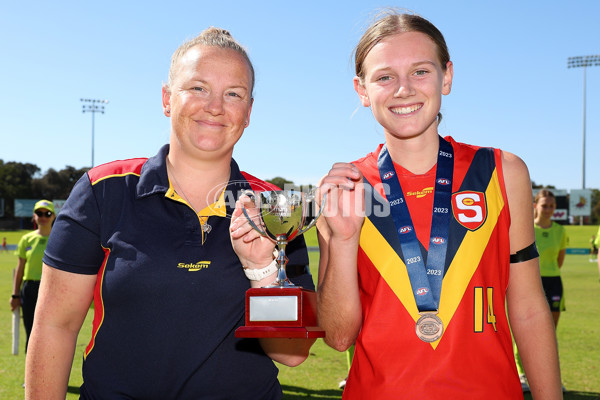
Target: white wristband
x=259, y=274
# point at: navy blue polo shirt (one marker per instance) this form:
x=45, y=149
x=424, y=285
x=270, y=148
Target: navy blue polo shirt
x=166, y=303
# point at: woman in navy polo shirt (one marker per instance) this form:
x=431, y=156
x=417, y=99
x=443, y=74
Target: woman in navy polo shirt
x=148, y=241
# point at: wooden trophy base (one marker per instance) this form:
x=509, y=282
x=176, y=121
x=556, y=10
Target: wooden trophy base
x=280, y=312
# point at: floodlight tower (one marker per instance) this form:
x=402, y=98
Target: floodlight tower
x=576, y=62
x=95, y=107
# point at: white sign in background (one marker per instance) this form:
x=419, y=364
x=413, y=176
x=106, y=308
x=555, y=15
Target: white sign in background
x=580, y=202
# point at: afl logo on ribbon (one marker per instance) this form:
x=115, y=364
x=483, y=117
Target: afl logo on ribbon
x=421, y=292
x=443, y=181
x=469, y=209
x=405, y=229
x=388, y=175
x=438, y=240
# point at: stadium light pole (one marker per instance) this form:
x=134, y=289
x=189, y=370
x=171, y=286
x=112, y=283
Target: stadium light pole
x=95, y=107
x=583, y=62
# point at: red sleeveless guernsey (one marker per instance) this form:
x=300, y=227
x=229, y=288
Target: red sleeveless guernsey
x=474, y=358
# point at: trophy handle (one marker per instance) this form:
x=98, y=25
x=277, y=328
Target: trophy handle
x=252, y=197
x=311, y=197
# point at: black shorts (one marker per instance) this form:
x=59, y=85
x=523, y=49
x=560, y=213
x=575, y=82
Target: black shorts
x=553, y=288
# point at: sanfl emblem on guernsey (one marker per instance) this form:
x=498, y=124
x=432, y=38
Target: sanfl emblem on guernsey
x=469, y=209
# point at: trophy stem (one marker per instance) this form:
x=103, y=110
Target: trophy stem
x=282, y=279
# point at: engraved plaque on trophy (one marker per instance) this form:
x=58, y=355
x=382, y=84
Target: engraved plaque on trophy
x=281, y=309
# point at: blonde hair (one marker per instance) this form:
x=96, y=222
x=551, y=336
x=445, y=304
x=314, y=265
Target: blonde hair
x=215, y=37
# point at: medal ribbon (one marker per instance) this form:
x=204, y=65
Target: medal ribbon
x=426, y=282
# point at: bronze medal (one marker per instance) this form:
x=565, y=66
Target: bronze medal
x=429, y=327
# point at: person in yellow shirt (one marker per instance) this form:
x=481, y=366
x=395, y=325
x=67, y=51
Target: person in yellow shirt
x=551, y=241
x=30, y=251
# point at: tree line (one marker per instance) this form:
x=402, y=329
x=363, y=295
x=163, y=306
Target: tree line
x=25, y=181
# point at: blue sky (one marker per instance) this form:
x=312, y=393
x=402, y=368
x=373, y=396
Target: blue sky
x=511, y=89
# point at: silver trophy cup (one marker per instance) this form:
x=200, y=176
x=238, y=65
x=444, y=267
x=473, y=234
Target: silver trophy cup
x=282, y=216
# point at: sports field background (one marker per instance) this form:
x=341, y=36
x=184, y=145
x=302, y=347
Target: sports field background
x=318, y=377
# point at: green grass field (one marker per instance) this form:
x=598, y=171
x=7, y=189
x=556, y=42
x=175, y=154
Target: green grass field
x=318, y=377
